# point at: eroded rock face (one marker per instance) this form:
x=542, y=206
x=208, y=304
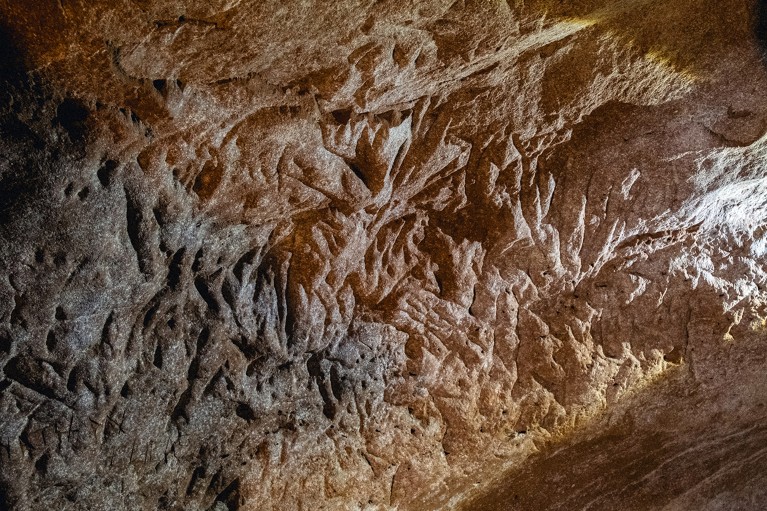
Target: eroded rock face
x=351, y=255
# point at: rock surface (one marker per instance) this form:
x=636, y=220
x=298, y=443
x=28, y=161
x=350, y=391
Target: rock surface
x=374, y=255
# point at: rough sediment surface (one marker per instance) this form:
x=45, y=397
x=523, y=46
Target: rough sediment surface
x=372, y=254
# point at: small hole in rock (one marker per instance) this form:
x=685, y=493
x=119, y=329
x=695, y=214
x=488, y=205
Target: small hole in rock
x=342, y=116
x=157, y=361
x=106, y=172
x=159, y=85
x=41, y=465
x=244, y=411
x=50, y=341
x=71, y=115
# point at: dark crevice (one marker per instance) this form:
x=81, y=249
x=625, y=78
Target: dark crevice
x=246, y=347
x=204, y=290
x=179, y=411
x=157, y=360
x=335, y=383
x=174, y=269
x=358, y=172
x=50, y=341
x=106, y=331
x=248, y=258
x=194, y=366
x=72, y=381
x=230, y=496
x=315, y=371
x=211, y=386
x=198, y=474
x=23, y=372
x=41, y=465
x=135, y=217
x=150, y=314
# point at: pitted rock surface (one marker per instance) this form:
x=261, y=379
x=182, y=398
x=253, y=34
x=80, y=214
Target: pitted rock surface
x=374, y=255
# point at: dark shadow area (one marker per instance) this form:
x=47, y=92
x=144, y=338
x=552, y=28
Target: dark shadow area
x=29, y=153
x=760, y=28
x=12, y=69
x=71, y=114
x=16, y=138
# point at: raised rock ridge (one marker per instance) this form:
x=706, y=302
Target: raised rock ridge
x=373, y=255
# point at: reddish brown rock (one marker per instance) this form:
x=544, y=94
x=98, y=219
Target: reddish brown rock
x=374, y=255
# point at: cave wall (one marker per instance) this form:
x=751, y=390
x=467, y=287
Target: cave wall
x=314, y=255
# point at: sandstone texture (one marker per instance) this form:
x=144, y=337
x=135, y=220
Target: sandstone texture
x=383, y=255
